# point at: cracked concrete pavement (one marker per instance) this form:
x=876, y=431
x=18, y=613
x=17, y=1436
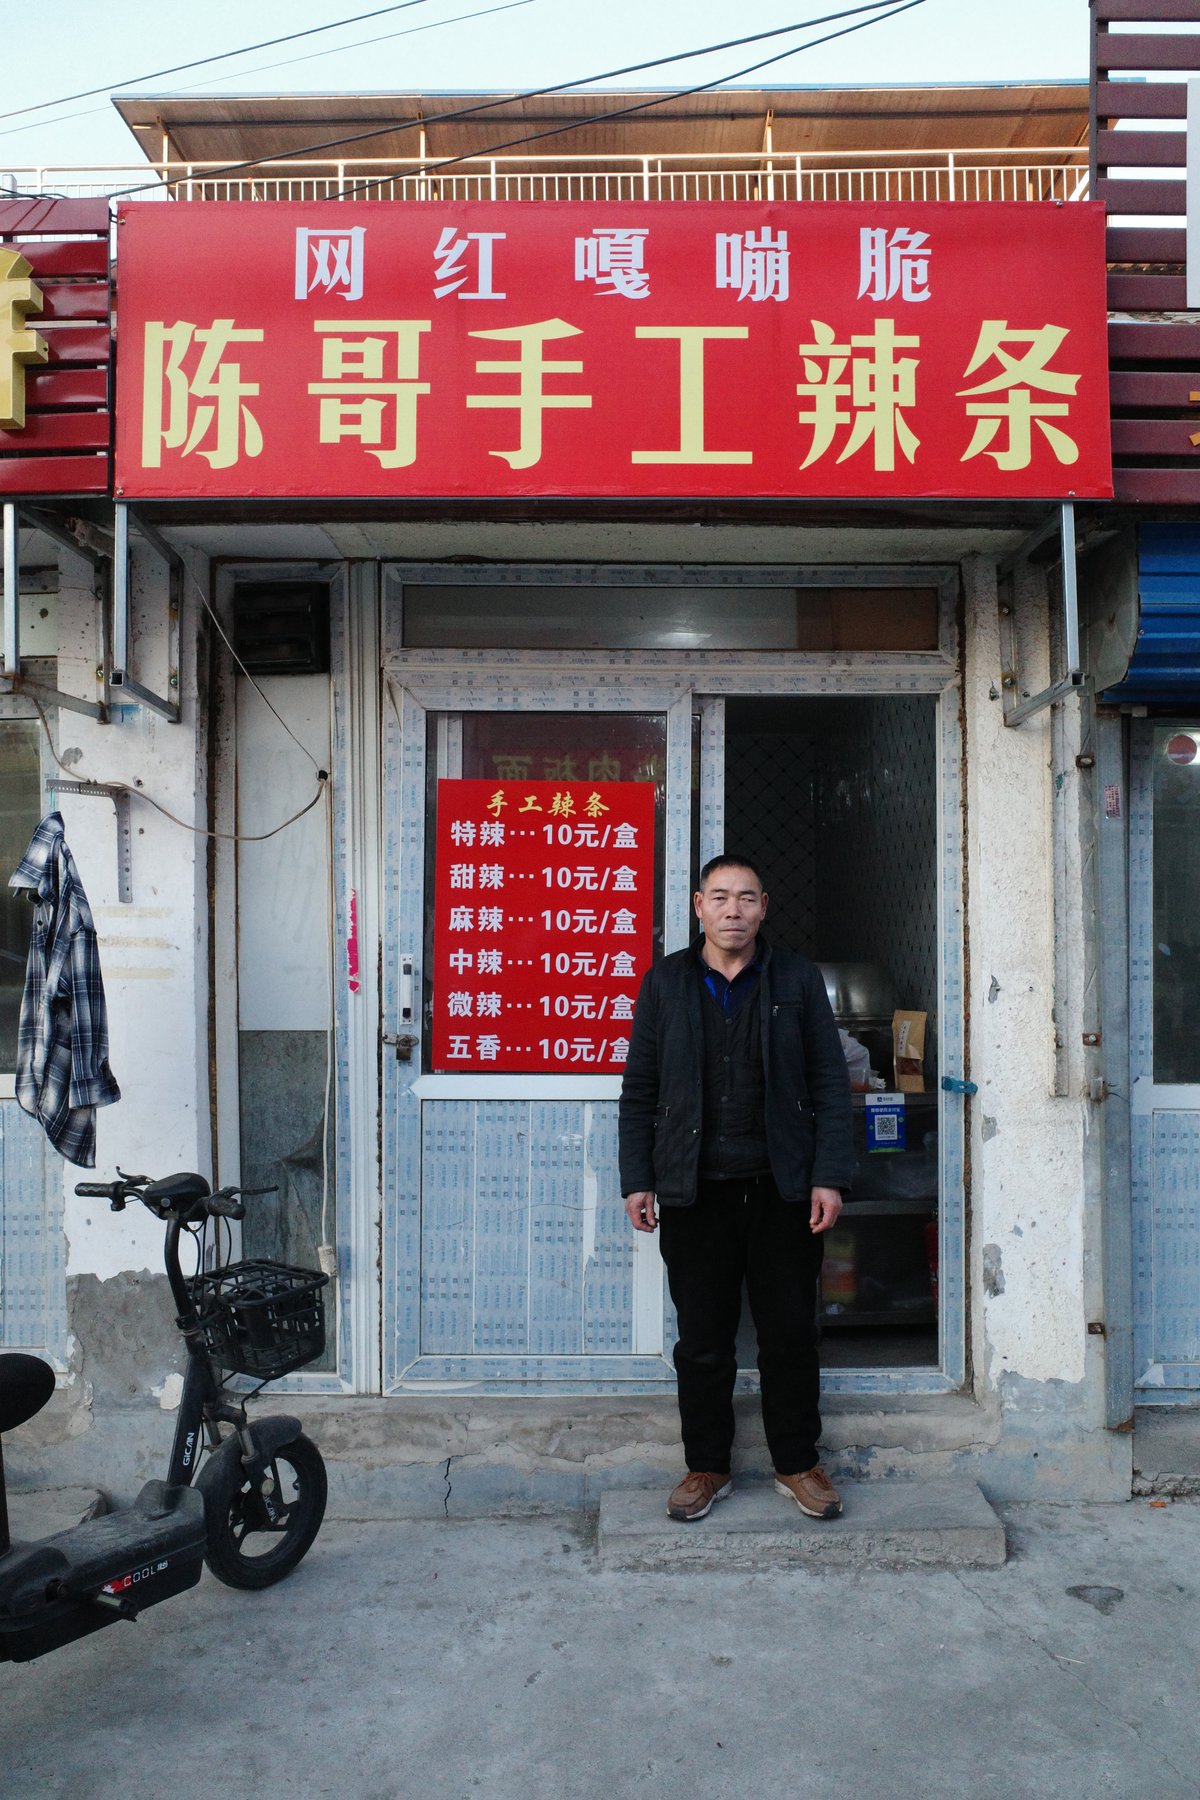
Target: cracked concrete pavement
x=490, y=1656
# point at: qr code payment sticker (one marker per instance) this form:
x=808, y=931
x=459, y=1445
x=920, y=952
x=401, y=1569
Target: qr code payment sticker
x=887, y=1128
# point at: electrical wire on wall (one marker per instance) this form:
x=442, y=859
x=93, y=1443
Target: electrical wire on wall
x=139, y=793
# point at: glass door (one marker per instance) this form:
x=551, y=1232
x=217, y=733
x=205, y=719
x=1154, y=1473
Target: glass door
x=1165, y=1059
x=538, y=858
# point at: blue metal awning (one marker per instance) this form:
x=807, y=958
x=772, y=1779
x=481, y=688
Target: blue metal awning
x=1165, y=665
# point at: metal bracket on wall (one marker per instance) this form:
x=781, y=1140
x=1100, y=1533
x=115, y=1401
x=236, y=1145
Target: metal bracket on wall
x=120, y=799
x=1019, y=706
x=121, y=676
x=15, y=682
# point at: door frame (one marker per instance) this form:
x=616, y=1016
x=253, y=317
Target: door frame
x=418, y=681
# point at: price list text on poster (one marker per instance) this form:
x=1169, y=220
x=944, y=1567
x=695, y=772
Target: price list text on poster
x=544, y=908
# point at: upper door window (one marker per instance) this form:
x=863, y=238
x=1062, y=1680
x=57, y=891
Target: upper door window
x=684, y=616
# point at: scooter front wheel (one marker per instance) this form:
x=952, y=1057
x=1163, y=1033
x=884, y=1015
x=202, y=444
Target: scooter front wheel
x=259, y=1528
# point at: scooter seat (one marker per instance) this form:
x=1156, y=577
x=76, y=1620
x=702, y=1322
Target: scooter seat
x=26, y=1383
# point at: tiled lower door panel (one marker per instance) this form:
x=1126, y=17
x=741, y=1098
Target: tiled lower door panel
x=527, y=1258
x=1167, y=1255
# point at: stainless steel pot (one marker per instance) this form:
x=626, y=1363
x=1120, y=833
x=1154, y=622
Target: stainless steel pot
x=860, y=991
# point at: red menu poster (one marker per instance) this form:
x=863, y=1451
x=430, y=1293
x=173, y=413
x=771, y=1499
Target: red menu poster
x=543, y=917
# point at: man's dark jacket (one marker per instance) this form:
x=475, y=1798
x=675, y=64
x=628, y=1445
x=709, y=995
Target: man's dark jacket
x=808, y=1116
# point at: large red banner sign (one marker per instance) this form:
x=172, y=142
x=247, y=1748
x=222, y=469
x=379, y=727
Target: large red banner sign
x=543, y=921
x=594, y=349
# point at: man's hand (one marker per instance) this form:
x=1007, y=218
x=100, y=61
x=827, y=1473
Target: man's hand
x=826, y=1205
x=640, y=1211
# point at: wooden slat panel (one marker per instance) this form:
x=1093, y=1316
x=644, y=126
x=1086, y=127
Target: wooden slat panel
x=1137, y=12
x=1158, y=487
x=74, y=256
x=1147, y=293
x=73, y=300
x=53, y=474
x=51, y=217
x=1138, y=50
x=1141, y=100
x=1146, y=243
x=66, y=387
x=1154, y=437
x=77, y=343
x=1141, y=149
x=1144, y=389
x=59, y=431
x=1142, y=196
x=1154, y=342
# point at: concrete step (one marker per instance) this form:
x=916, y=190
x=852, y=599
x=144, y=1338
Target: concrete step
x=1166, y=1450
x=39, y=1513
x=884, y=1525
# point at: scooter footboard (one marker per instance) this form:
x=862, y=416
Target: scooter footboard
x=103, y=1570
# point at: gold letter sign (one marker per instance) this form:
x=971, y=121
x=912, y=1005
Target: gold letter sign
x=18, y=346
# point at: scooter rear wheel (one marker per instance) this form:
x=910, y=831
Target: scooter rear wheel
x=259, y=1530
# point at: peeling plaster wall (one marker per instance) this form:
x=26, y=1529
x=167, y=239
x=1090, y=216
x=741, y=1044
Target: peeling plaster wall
x=1027, y=1211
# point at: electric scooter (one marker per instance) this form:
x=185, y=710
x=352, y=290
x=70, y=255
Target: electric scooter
x=250, y=1512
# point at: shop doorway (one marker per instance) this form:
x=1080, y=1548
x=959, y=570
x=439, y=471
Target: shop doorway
x=507, y=1262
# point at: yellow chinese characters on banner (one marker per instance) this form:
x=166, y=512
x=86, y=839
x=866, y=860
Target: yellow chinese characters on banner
x=542, y=355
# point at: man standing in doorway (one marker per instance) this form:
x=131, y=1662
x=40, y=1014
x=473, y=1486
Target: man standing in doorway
x=735, y=1121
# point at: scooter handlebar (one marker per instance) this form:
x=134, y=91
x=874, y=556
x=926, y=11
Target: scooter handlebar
x=224, y=1206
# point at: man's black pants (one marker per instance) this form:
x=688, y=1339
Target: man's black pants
x=739, y=1230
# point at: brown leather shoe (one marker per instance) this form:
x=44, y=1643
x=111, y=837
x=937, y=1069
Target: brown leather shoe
x=694, y=1496
x=812, y=1491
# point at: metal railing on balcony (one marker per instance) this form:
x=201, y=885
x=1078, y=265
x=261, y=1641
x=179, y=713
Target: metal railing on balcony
x=1048, y=174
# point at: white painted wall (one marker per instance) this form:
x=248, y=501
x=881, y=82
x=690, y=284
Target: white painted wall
x=284, y=923
x=153, y=952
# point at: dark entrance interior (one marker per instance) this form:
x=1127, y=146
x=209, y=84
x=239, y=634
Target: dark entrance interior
x=836, y=801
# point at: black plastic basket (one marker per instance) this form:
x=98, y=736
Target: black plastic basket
x=261, y=1318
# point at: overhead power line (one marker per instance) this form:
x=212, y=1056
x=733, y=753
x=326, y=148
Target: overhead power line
x=387, y=37
x=872, y=7
x=624, y=112
x=290, y=37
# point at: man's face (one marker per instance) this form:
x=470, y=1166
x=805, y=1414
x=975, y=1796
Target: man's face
x=731, y=906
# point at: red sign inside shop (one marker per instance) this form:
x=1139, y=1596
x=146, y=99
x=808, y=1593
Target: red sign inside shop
x=739, y=349
x=543, y=919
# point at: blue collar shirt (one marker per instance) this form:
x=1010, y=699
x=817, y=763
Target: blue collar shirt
x=730, y=996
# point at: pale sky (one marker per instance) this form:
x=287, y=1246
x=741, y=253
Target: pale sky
x=80, y=44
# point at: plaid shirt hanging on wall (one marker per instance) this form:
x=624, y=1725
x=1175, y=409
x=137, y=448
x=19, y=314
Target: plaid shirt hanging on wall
x=62, y=1043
